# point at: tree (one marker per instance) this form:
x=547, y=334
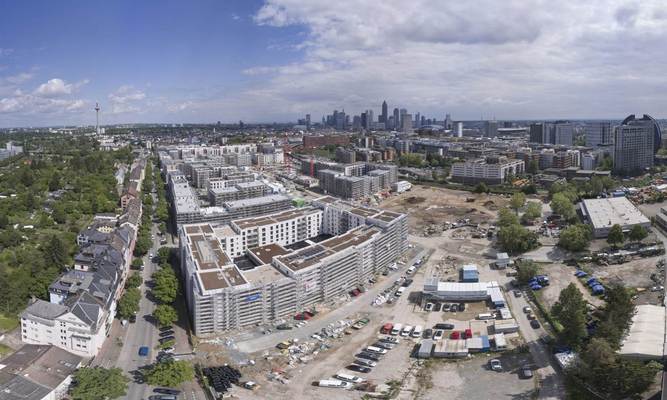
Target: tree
x=97, y=383
x=526, y=270
x=507, y=218
x=533, y=167
x=570, y=310
x=128, y=305
x=166, y=285
x=163, y=254
x=567, y=189
x=575, y=237
x=517, y=201
x=615, y=235
x=137, y=263
x=54, y=182
x=516, y=239
x=562, y=205
x=59, y=215
x=165, y=314
x=55, y=251
x=481, y=188
x=637, y=233
x=607, y=164
x=169, y=373
x=533, y=210
x=134, y=281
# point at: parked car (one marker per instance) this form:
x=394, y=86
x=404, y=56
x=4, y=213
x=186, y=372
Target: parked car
x=446, y=307
x=438, y=334
x=517, y=293
x=166, y=333
x=428, y=307
x=437, y=307
x=390, y=339
x=525, y=372
x=530, y=316
x=166, y=339
x=365, y=362
x=527, y=309
x=167, y=391
x=427, y=333
x=368, y=356
x=535, y=324
x=443, y=326
x=454, y=308
x=143, y=351
x=358, y=368
x=166, y=328
x=495, y=365
x=462, y=306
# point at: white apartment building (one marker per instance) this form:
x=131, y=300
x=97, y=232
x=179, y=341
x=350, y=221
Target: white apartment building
x=493, y=170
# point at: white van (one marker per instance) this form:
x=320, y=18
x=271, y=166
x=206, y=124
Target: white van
x=417, y=332
x=411, y=270
x=334, y=383
x=396, y=329
x=406, y=331
x=485, y=316
x=348, y=378
x=376, y=350
x=400, y=291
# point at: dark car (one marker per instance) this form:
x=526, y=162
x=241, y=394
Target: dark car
x=437, y=307
x=358, y=368
x=462, y=306
x=167, y=391
x=166, y=328
x=525, y=372
x=407, y=283
x=162, y=397
x=454, y=308
x=427, y=333
x=133, y=318
x=535, y=324
x=166, y=333
x=443, y=326
x=166, y=339
x=368, y=356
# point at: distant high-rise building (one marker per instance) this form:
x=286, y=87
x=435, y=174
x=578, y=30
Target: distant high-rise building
x=356, y=123
x=448, y=122
x=403, y=112
x=424, y=121
x=384, y=117
x=540, y=133
x=633, y=146
x=647, y=119
x=340, y=121
x=369, y=119
x=417, y=121
x=406, y=122
x=598, y=133
x=397, y=119
x=459, y=129
x=490, y=128
x=563, y=133
x=307, y=120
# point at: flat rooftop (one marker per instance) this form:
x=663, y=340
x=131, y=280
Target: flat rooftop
x=604, y=213
x=252, y=222
x=221, y=278
x=274, y=198
x=266, y=253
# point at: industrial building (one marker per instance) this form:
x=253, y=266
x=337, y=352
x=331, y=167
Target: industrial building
x=256, y=270
x=602, y=214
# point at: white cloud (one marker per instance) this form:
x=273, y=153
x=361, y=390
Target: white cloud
x=511, y=59
x=19, y=78
x=236, y=17
x=5, y=51
x=126, y=99
x=58, y=87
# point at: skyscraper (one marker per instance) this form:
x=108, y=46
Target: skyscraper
x=598, y=133
x=540, y=133
x=633, y=146
x=448, y=122
x=384, y=117
x=397, y=119
x=369, y=119
x=647, y=119
x=563, y=133
x=401, y=123
x=490, y=128
x=417, y=120
x=308, y=121
x=406, y=122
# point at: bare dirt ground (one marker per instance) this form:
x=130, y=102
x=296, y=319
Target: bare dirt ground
x=431, y=205
x=561, y=276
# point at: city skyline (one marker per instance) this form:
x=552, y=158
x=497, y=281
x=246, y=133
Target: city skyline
x=187, y=63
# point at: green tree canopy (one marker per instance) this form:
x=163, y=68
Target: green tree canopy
x=128, y=304
x=97, y=383
x=533, y=211
x=507, y=217
x=570, y=310
x=165, y=289
x=516, y=239
x=575, y=237
x=481, y=188
x=517, y=201
x=562, y=205
x=169, y=373
x=165, y=314
x=55, y=251
x=134, y=281
x=637, y=233
x=526, y=270
x=615, y=236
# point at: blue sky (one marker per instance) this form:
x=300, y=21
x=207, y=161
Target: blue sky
x=276, y=60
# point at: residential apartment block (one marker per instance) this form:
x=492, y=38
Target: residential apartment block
x=492, y=170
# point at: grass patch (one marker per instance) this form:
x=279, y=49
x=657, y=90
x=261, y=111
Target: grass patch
x=8, y=323
x=4, y=350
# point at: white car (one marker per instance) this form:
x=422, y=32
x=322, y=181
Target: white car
x=429, y=307
x=438, y=334
x=495, y=365
x=527, y=310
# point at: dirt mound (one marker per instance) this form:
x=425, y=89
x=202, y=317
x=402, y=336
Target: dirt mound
x=415, y=200
x=490, y=205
